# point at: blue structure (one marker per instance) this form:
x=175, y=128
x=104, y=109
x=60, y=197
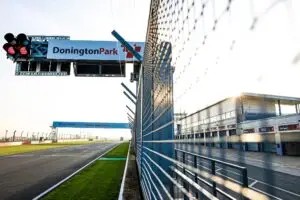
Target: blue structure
x=60, y=124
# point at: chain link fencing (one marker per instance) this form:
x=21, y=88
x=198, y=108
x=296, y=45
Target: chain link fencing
x=218, y=100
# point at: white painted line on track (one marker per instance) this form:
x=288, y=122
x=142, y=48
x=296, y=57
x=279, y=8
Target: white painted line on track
x=71, y=175
x=278, y=188
x=253, y=183
x=124, y=175
x=264, y=183
x=265, y=193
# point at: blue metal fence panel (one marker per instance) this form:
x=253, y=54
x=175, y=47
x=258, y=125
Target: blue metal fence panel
x=203, y=39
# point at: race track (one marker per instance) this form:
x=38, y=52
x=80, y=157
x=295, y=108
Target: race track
x=24, y=176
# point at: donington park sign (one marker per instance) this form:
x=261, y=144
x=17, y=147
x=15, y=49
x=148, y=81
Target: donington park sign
x=91, y=50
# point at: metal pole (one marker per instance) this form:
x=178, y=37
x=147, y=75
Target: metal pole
x=130, y=110
x=6, y=134
x=128, y=90
x=127, y=95
x=245, y=180
x=213, y=171
x=14, y=136
x=183, y=171
x=127, y=45
x=130, y=117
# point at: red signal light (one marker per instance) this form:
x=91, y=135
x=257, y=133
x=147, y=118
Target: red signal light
x=23, y=51
x=9, y=49
x=17, y=48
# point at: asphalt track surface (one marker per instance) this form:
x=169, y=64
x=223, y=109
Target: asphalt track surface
x=24, y=176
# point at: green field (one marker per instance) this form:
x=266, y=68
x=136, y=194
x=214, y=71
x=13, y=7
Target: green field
x=10, y=150
x=101, y=180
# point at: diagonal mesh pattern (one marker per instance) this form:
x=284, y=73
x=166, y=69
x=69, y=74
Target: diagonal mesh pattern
x=212, y=89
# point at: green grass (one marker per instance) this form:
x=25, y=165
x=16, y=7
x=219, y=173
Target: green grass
x=102, y=180
x=10, y=150
x=120, y=151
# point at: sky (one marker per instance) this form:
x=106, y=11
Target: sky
x=30, y=104
x=234, y=58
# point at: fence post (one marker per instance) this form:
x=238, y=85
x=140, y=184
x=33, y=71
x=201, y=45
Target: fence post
x=245, y=177
x=213, y=171
x=196, y=177
x=244, y=181
x=176, y=177
x=183, y=171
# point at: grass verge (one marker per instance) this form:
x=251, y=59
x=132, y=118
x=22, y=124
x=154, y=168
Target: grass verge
x=10, y=150
x=101, y=180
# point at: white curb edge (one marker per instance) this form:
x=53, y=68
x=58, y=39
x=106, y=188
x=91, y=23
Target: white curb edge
x=124, y=175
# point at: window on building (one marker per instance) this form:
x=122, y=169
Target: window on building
x=232, y=113
x=288, y=109
x=251, y=130
x=223, y=116
x=227, y=115
x=277, y=109
x=266, y=129
x=195, y=117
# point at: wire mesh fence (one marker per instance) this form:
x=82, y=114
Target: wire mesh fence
x=218, y=107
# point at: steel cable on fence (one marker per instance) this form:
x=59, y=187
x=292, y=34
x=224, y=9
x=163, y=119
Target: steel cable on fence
x=193, y=29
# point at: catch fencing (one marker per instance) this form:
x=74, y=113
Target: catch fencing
x=198, y=53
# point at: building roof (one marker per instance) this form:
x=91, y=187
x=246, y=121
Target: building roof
x=270, y=96
x=267, y=96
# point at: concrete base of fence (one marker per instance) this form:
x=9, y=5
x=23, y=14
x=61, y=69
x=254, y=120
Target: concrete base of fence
x=132, y=190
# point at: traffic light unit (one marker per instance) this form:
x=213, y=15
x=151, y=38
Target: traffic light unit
x=17, y=47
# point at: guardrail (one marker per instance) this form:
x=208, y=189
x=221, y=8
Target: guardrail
x=213, y=163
